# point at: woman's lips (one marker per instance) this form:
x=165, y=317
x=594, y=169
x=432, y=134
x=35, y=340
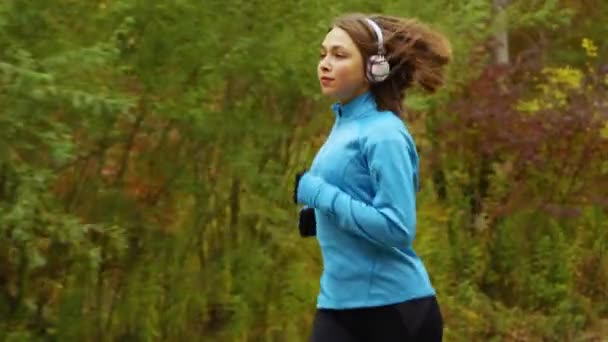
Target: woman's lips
x=325, y=81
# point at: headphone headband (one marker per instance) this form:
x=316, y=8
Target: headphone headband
x=378, y=31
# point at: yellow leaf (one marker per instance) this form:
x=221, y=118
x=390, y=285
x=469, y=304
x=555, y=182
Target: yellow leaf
x=590, y=47
x=567, y=76
x=529, y=106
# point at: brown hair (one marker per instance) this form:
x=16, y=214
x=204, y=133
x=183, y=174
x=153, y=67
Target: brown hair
x=415, y=53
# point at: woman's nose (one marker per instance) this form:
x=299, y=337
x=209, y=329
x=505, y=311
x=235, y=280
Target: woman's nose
x=324, y=64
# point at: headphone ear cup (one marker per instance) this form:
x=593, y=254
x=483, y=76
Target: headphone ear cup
x=378, y=69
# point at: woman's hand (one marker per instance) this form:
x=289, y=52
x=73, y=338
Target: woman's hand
x=296, y=183
x=307, y=223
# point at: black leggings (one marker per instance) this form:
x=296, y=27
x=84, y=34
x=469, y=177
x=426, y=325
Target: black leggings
x=414, y=320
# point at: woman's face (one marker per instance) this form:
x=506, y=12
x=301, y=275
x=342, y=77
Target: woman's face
x=340, y=67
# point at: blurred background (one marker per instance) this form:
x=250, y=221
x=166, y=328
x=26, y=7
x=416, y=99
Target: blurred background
x=148, y=148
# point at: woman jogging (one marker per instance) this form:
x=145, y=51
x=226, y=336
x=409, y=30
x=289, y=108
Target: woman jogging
x=359, y=195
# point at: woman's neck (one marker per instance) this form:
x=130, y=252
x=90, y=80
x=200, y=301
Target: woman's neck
x=354, y=95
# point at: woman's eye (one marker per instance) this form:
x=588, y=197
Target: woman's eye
x=336, y=55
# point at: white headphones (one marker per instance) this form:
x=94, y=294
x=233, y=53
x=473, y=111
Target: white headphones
x=378, y=68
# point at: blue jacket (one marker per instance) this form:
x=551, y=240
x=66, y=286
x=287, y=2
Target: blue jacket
x=363, y=184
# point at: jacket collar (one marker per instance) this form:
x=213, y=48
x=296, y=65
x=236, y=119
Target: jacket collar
x=356, y=107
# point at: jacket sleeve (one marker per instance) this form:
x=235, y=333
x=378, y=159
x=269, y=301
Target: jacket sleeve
x=390, y=219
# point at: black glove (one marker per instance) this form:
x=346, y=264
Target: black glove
x=295, y=188
x=308, y=223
